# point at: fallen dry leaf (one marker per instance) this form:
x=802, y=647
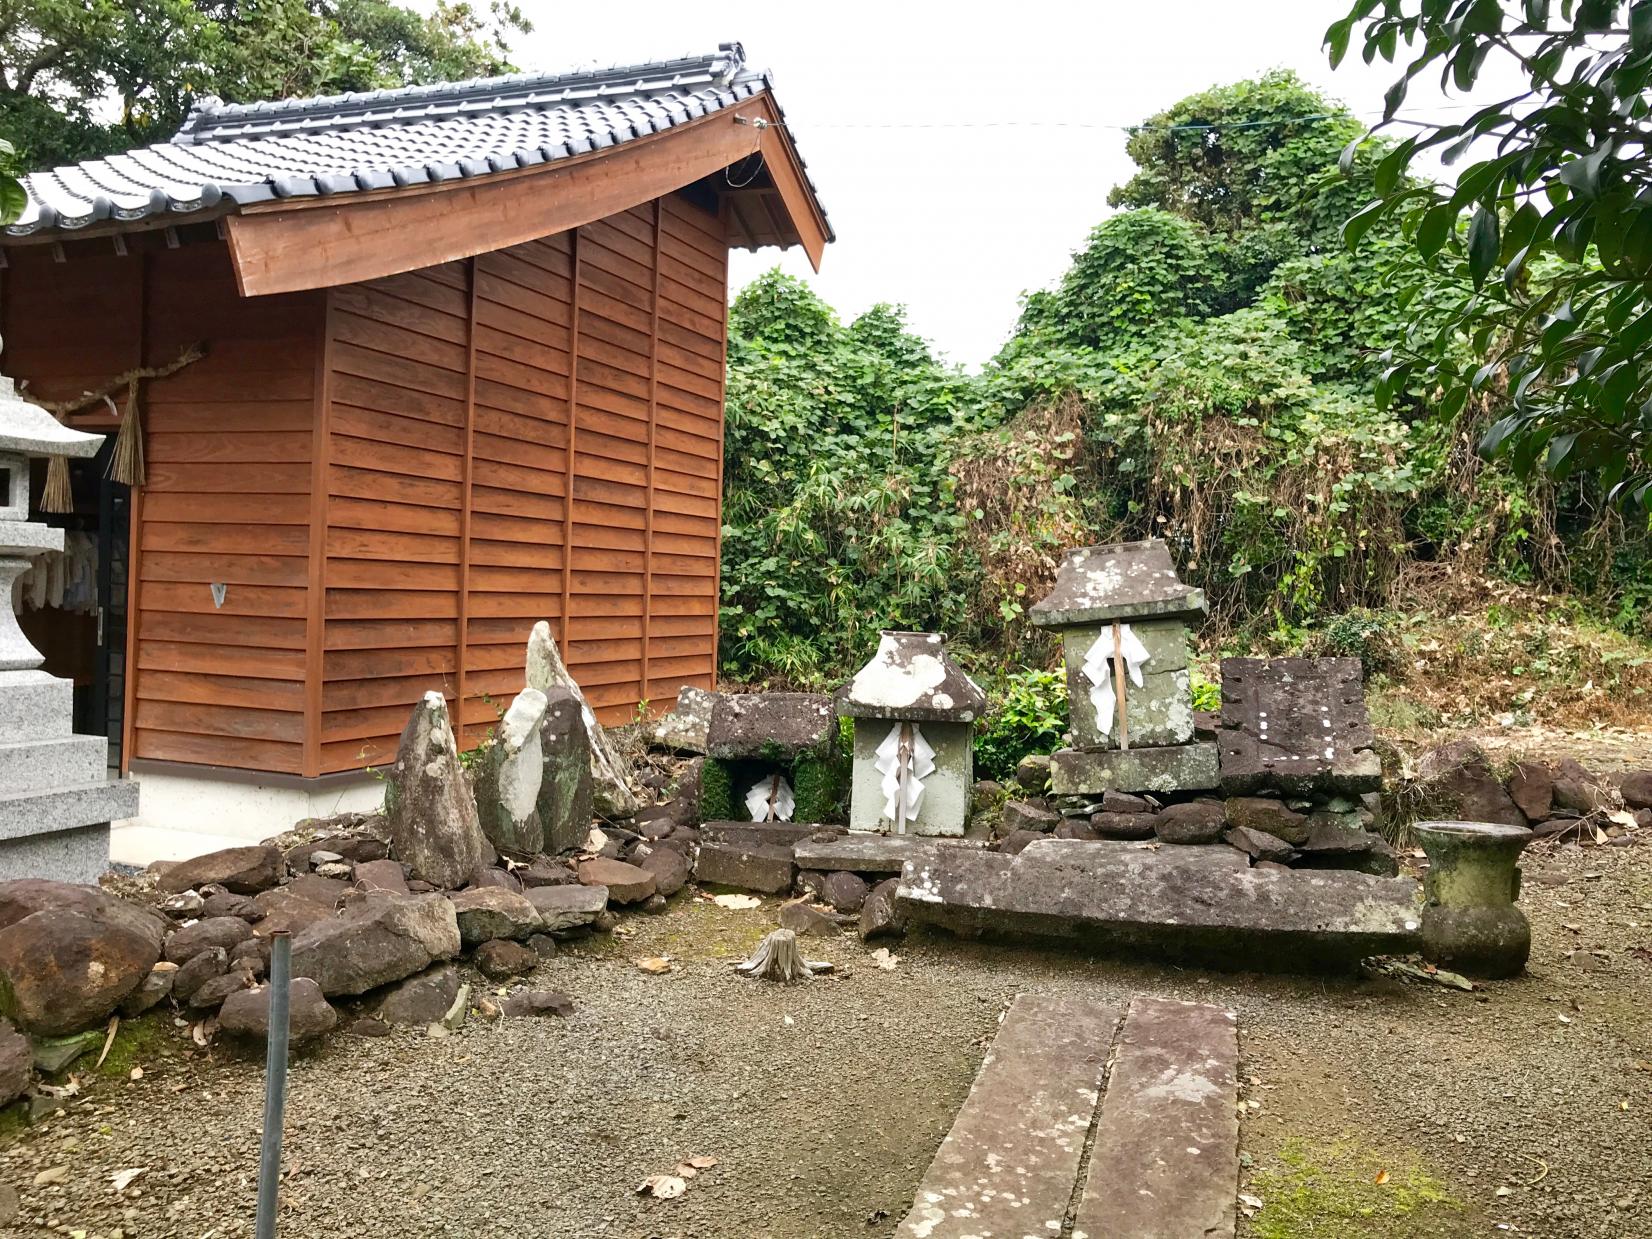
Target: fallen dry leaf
x=883, y=959
x=122, y=1179
x=662, y=1186
x=136, y=1074
x=655, y=964
x=1382, y=1177
x=700, y=1163
x=737, y=903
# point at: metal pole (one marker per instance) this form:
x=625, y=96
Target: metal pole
x=275, y=1084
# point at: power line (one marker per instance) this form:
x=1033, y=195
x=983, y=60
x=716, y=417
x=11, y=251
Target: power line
x=1137, y=128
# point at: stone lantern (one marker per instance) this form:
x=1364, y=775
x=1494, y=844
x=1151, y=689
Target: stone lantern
x=1122, y=614
x=56, y=799
x=914, y=715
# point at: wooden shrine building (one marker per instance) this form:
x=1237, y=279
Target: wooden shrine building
x=463, y=366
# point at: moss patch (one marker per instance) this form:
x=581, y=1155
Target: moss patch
x=141, y=1042
x=819, y=785
x=1333, y=1192
x=716, y=791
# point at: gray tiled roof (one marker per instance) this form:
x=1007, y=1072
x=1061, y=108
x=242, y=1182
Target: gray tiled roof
x=237, y=154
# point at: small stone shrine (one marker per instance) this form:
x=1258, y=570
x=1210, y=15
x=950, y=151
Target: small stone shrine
x=56, y=796
x=1122, y=614
x=914, y=713
x=771, y=757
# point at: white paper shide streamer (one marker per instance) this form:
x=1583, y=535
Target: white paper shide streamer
x=904, y=772
x=771, y=799
x=1098, y=669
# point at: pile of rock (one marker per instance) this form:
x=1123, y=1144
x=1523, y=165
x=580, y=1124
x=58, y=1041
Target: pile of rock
x=1311, y=831
x=1561, y=799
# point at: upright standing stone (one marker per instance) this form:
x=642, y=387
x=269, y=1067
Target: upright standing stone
x=1297, y=726
x=611, y=790
x=508, y=781
x=56, y=799
x=565, y=785
x=914, y=713
x=429, y=811
x=1122, y=614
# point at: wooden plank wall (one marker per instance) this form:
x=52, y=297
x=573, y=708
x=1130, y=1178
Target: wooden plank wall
x=228, y=443
x=448, y=529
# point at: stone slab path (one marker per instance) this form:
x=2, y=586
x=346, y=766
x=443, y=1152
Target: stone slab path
x=1077, y=1128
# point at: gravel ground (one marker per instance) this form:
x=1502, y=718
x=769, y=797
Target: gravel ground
x=824, y=1103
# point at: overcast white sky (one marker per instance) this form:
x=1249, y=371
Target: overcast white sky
x=964, y=150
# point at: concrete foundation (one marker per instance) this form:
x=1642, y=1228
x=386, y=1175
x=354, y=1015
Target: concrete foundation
x=189, y=813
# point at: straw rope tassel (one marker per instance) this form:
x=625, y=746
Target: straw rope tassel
x=126, y=462
x=57, y=497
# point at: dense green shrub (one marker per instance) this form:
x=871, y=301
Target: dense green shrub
x=1027, y=714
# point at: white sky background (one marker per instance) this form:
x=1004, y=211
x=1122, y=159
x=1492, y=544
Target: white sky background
x=962, y=149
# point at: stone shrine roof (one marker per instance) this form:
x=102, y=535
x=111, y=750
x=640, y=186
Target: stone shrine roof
x=1117, y=581
x=912, y=677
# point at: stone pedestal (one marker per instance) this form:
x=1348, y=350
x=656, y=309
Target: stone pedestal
x=1470, y=922
x=56, y=797
x=914, y=713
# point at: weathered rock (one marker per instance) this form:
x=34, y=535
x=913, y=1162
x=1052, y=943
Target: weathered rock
x=1454, y=781
x=1123, y=802
x=625, y=883
x=243, y=870
x=542, y=871
x=225, y=904
x=211, y=993
x=1271, y=817
x=777, y=727
x=1171, y=768
x=286, y=912
x=1128, y=826
x=539, y=1002
x=1198, y=821
x=1075, y=828
x=1203, y=903
x=881, y=916
x=806, y=920
x=382, y=939
x=611, y=792
x=1032, y=773
x=1577, y=789
x=381, y=875
x=219, y=931
x=499, y=959
x=1028, y=815
x=213, y=962
x=488, y=912
x=185, y=904
x=26, y=896
x=357, y=849
x=864, y=854
x=494, y=876
x=544, y=945
x=54, y=1054
x=1014, y=844
x=154, y=989
x=1335, y=844
x=683, y=728
x=329, y=893
x=64, y=969
x=422, y=999
x=252, y=953
x=562, y=908
x=429, y=811
x=749, y=834
x=246, y=1013
x=508, y=778
x=16, y=1064
x=1531, y=787
x=1297, y=726
x=753, y=867
x=670, y=869
x=1636, y=789
x=845, y=891
x=1259, y=844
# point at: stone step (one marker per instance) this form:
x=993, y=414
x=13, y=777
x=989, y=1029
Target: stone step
x=63, y=761
x=1008, y=1166
x=1054, y=1139
x=882, y=854
x=1165, y=1161
x=1189, y=902
x=40, y=810
x=769, y=834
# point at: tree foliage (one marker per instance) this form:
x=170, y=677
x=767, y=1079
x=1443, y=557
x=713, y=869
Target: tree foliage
x=1545, y=239
x=839, y=517
x=80, y=78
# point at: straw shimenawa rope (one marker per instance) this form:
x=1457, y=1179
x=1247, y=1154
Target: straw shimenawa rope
x=126, y=463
